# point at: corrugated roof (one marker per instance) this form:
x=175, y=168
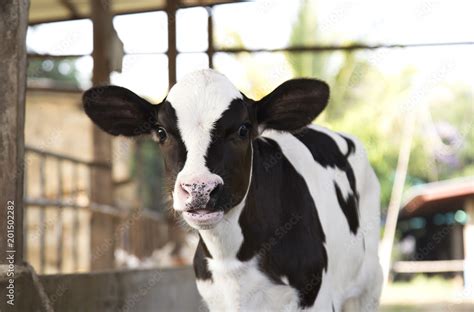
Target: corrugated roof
x=442, y=196
x=42, y=11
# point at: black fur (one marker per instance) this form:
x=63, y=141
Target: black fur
x=280, y=223
x=119, y=111
x=173, y=149
x=200, y=263
x=349, y=208
x=229, y=155
x=292, y=105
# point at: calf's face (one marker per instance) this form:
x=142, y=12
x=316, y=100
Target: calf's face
x=205, y=128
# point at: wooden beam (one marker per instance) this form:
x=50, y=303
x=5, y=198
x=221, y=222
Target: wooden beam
x=101, y=188
x=76, y=160
x=16, y=277
x=13, y=25
x=103, y=240
x=54, y=89
x=428, y=266
x=350, y=47
x=468, y=235
x=71, y=8
x=386, y=245
x=126, y=12
x=171, y=7
x=210, y=37
x=291, y=49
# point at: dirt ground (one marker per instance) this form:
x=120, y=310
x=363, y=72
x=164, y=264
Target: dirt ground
x=422, y=294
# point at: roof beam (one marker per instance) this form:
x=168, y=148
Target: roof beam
x=71, y=8
x=125, y=12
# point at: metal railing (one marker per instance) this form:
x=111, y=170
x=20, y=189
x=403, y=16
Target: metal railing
x=138, y=233
x=42, y=200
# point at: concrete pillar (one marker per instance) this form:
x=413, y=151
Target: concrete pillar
x=469, y=248
x=13, y=24
x=17, y=280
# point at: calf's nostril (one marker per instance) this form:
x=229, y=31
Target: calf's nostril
x=215, y=192
x=186, y=188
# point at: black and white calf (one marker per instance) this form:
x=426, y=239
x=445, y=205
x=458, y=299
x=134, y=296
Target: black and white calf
x=287, y=213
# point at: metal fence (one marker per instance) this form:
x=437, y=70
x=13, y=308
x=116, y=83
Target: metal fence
x=57, y=200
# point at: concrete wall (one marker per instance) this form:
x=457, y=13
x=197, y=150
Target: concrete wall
x=131, y=290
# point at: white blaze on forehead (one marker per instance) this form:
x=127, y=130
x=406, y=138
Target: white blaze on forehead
x=199, y=100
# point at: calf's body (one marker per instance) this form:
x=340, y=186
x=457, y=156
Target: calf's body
x=306, y=236
x=287, y=213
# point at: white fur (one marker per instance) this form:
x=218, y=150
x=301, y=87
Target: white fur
x=351, y=271
x=240, y=286
x=199, y=100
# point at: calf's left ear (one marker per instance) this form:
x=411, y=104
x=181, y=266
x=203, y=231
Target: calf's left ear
x=292, y=105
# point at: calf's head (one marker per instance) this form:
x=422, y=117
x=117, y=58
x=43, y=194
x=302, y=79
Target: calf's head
x=205, y=128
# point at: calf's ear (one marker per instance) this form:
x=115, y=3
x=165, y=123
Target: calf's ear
x=119, y=111
x=292, y=105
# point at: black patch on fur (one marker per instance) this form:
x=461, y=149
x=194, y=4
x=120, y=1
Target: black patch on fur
x=281, y=225
x=173, y=149
x=350, y=145
x=229, y=155
x=349, y=208
x=326, y=152
x=200, y=263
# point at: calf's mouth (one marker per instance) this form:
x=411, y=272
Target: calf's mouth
x=203, y=218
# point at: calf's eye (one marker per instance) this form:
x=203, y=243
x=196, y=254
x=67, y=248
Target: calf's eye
x=161, y=134
x=244, y=130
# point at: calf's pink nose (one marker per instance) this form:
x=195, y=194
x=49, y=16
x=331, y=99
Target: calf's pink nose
x=200, y=194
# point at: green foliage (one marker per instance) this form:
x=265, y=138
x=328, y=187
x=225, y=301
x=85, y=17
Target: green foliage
x=369, y=105
x=305, y=33
x=63, y=72
x=453, y=146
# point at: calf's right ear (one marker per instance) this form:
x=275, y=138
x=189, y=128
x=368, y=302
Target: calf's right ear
x=119, y=111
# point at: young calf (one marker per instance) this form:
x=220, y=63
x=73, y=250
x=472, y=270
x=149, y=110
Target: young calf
x=287, y=213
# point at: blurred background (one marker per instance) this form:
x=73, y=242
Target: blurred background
x=401, y=75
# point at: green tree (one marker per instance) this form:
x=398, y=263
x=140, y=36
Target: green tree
x=63, y=72
x=366, y=103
